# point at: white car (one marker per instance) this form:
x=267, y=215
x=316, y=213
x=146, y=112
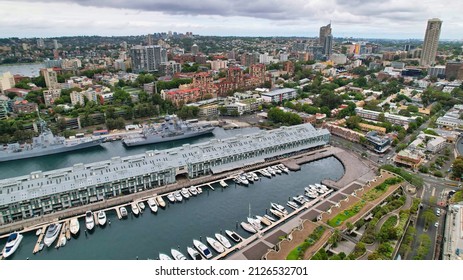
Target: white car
x=436, y=224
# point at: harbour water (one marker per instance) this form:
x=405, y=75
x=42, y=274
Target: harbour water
x=24, y=69
x=145, y=236
x=105, y=152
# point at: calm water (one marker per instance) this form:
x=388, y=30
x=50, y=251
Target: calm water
x=105, y=152
x=177, y=225
x=24, y=69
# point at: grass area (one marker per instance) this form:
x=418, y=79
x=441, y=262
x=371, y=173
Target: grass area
x=359, y=250
x=415, y=180
x=346, y=214
x=389, y=223
x=458, y=196
x=298, y=252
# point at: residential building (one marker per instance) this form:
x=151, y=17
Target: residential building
x=194, y=49
x=24, y=107
x=436, y=144
x=437, y=71
x=147, y=58
x=218, y=64
x=180, y=97
x=50, y=95
x=374, y=115
x=449, y=122
x=3, y=107
x=6, y=81
x=51, y=77
x=380, y=144
x=169, y=68
x=279, y=95
x=431, y=42
x=408, y=158
x=454, y=70
x=338, y=58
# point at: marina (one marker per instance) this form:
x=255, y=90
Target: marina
x=188, y=217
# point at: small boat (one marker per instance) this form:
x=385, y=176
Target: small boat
x=254, y=176
x=300, y=199
x=12, y=243
x=177, y=255
x=215, y=244
x=233, y=235
x=134, y=208
x=223, y=184
x=101, y=218
x=247, y=227
x=243, y=179
x=171, y=197
x=311, y=194
x=152, y=205
x=271, y=219
x=283, y=168
x=141, y=205
x=89, y=221
x=271, y=171
x=38, y=232
x=199, y=189
x=265, y=173
x=164, y=257
x=74, y=226
x=178, y=196
x=202, y=249
x=293, y=205
x=279, y=208
x=223, y=240
x=123, y=211
x=160, y=201
x=276, y=169
x=249, y=177
x=51, y=234
x=264, y=220
x=320, y=190
x=255, y=223
x=277, y=213
x=195, y=255
x=62, y=241
x=185, y=193
x=193, y=190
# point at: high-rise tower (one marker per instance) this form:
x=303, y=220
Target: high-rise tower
x=431, y=42
x=326, y=39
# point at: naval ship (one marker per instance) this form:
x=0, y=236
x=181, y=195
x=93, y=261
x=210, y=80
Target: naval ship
x=171, y=129
x=46, y=144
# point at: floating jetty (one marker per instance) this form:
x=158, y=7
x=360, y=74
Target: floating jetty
x=37, y=246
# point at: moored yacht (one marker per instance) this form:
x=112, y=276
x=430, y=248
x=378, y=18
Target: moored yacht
x=203, y=249
x=164, y=257
x=254, y=176
x=215, y=244
x=89, y=221
x=193, y=190
x=247, y=227
x=101, y=218
x=141, y=205
x=74, y=226
x=264, y=220
x=276, y=169
x=293, y=205
x=199, y=189
x=12, y=243
x=255, y=223
x=265, y=173
x=233, y=235
x=152, y=204
x=178, y=196
x=271, y=219
x=249, y=177
x=134, y=208
x=283, y=168
x=185, y=193
x=51, y=234
x=123, y=212
x=195, y=255
x=222, y=239
x=279, y=208
x=160, y=201
x=177, y=255
x=277, y=213
x=171, y=197
x=223, y=184
x=271, y=171
x=300, y=199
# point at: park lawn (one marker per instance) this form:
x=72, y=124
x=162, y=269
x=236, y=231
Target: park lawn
x=298, y=252
x=346, y=214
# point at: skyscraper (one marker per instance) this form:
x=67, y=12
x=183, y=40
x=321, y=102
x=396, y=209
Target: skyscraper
x=51, y=77
x=147, y=58
x=326, y=39
x=431, y=42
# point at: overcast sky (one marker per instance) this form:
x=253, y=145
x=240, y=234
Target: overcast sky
x=401, y=19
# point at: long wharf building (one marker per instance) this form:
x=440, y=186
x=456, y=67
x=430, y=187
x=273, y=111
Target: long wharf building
x=40, y=192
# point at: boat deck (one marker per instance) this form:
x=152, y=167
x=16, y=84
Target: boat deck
x=39, y=240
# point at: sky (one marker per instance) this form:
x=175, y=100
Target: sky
x=391, y=19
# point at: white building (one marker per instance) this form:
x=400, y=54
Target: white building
x=6, y=81
x=338, y=58
x=218, y=64
x=279, y=95
x=51, y=95
x=436, y=144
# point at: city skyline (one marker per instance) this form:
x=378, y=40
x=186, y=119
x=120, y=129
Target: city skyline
x=390, y=19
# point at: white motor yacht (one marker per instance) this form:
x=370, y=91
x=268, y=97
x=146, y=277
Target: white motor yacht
x=271, y=171
x=203, y=249
x=193, y=190
x=293, y=205
x=51, y=234
x=89, y=221
x=233, y=235
x=300, y=199
x=265, y=173
x=264, y=220
x=247, y=227
x=178, y=196
x=123, y=212
x=74, y=226
x=152, y=204
x=276, y=169
x=215, y=244
x=199, y=189
x=195, y=255
x=255, y=223
x=171, y=197
x=141, y=205
x=254, y=176
x=311, y=194
x=101, y=218
x=243, y=179
x=12, y=243
x=177, y=255
x=271, y=219
x=283, y=168
x=222, y=239
x=185, y=193
x=164, y=257
x=277, y=213
x=134, y=208
x=249, y=177
x=279, y=208
x=160, y=201
x=223, y=184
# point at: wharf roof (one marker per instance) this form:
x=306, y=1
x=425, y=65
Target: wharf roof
x=80, y=176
